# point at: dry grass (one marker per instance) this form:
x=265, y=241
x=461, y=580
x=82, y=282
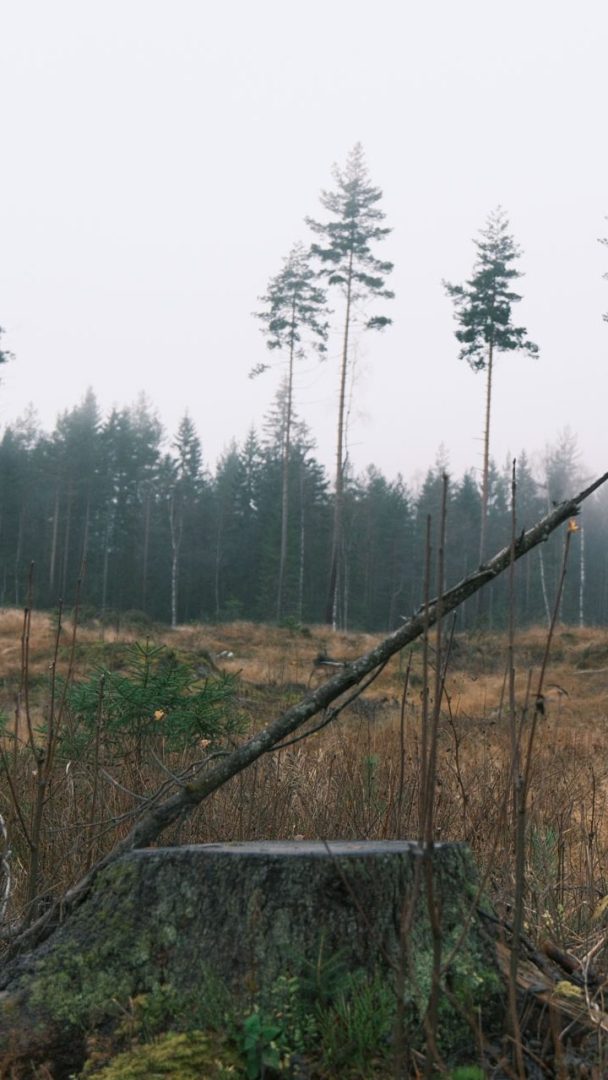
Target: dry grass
x=351, y=779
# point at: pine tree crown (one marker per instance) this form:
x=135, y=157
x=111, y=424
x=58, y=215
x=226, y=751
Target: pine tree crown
x=296, y=308
x=483, y=304
x=344, y=250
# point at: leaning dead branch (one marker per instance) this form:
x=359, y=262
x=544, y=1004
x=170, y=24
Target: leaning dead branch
x=159, y=815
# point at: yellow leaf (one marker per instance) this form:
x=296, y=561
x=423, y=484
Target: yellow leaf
x=600, y=909
x=567, y=989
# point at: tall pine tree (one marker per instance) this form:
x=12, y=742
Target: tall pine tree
x=483, y=312
x=347, y=262
x=184, y=491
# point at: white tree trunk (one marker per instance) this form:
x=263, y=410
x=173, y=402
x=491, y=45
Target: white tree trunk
x=581, y=580
x=543, y=583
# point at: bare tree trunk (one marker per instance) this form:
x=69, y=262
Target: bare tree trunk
x=218, y=563
x=145, y=553
x=302, y=545
x=581, y=581
x=85, y=540
x=332, y=596
x=345, y=595
x=66, y=541
x=543, y=582
x=106, y=561
x=285, y=469
x=54, y=540
x=485, y=480
x=176, y=528
x=527, y=591
x=17, y=561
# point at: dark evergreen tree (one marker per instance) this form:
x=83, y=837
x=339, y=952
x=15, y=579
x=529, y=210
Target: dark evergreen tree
x=295, y=316
x=378, y=551
x=463, y=537
x=344, y=251
x=131, y=459
x=185, y=488
x=16, y=498
x=594, y=521
x=237, y=529
x=483, y=311
x=74, y=454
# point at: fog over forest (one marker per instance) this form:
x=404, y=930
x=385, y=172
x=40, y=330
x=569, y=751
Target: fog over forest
x=160, y=165
x=286, y=355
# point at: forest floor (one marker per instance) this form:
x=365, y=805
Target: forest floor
x=359, y=777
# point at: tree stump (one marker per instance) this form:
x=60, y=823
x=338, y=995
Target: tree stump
x=245, y=914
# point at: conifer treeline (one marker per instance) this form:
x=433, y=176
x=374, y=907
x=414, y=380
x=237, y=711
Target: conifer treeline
x=160, y=533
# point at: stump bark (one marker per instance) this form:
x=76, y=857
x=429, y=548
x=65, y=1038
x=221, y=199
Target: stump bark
x=241, y=915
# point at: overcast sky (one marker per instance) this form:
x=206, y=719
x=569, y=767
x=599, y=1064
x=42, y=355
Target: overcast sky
x=158, y=159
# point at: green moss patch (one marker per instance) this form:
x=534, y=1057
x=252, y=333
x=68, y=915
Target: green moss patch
x=186, y=1056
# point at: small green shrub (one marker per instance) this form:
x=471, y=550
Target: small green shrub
x=355, y=1031
x=339, y=1020
x=156, y=695
x=259, y=1046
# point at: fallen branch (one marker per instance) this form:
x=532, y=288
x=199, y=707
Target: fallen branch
x=157, y=817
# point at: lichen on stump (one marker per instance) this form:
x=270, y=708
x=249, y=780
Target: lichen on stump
x=247, y=913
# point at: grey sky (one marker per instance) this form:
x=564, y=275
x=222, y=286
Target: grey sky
x=158, y=159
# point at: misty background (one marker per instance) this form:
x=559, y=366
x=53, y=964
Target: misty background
x=158, y=162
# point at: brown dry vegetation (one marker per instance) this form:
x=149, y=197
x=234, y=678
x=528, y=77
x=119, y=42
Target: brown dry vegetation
x=359, y=776
x=349, y=779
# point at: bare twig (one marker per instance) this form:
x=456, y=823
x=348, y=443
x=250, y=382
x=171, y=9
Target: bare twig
x=5, y=870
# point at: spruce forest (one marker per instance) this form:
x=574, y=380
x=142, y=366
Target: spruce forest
x=115, y=501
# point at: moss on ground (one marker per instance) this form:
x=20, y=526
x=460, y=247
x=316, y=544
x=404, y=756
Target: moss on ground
x=183, y=1056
